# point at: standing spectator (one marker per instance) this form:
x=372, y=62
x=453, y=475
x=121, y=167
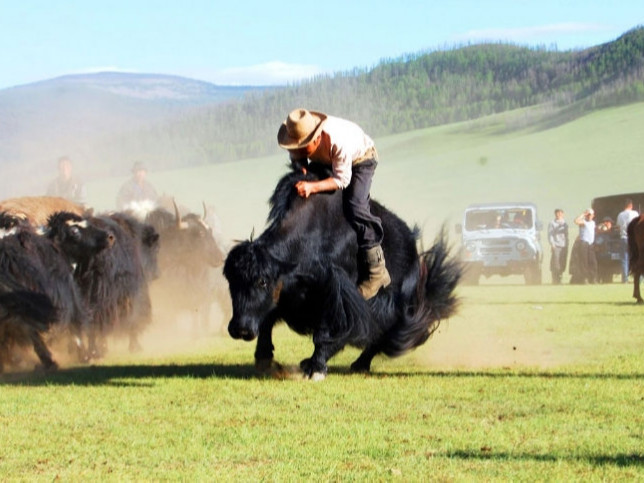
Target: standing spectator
x=623, y=219
x=66, y=185
x=587, y=259
x=558, y=238
x=137, y=190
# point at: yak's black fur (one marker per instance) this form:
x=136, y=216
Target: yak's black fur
x=114, y=284
x=24, y=317
x=187, y=257
x=303, y=270
x=147, y=242
x=38, y=292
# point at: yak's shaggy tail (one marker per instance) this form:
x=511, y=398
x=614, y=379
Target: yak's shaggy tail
x=429, y=298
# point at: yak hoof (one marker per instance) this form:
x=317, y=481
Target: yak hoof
x=317, y=376
x=310, y=369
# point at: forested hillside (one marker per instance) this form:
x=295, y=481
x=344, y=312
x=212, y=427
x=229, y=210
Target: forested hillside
x=415, y=91
x=105, y=122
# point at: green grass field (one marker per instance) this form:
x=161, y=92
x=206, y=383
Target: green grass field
x=525, y=383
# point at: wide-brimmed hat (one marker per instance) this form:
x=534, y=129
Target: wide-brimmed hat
x=300, y=128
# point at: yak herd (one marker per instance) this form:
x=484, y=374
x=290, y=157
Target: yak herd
x=70, y=276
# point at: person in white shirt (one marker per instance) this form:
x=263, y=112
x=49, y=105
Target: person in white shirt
x=623, y=219
x=342, y=144
x=587, y=258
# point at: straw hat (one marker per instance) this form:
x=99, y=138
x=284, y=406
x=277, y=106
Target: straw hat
x=300, y=128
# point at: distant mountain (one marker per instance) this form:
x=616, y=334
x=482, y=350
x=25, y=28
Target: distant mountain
x=69, y=115
x=149, y=87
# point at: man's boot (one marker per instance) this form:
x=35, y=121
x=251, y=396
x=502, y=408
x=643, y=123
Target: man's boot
x=378, y=274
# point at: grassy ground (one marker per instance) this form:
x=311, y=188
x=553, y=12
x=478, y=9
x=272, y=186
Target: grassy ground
x=525, y=383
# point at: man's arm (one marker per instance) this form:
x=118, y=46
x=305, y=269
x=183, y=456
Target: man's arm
x=307, y=188
x=581, y=219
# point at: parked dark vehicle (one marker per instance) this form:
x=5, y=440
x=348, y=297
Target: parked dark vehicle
x=607, y=244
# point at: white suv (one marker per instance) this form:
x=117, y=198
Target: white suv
x=501, y=239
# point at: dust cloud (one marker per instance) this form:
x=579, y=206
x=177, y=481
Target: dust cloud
x=461, y=344
x=490, y=332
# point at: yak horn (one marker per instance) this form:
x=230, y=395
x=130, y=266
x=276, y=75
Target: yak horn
x=176, y=213
x=252, y=234
x=205, y=210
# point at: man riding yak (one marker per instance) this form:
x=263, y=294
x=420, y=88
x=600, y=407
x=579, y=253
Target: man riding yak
x=316, y=137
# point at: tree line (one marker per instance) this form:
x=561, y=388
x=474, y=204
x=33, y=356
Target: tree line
x=411, y=92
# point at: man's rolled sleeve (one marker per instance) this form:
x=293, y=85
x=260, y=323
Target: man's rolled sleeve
x=342, y=171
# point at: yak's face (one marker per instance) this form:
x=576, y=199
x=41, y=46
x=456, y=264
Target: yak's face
x=253, y=279
x=76, y=237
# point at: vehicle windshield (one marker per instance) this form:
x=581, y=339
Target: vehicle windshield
x=498, y=219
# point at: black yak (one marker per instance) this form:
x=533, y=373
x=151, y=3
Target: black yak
x=303, y=270
x=188, y=255
x=114, y=282
x=37, y=289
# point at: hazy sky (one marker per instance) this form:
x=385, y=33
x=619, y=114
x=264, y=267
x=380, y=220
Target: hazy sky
x=269, y=42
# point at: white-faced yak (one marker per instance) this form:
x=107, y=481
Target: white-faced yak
x=303, y=269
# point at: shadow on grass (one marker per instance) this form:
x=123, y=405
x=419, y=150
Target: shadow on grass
x=621, y=460
x=128, y=375
x=141, y=375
